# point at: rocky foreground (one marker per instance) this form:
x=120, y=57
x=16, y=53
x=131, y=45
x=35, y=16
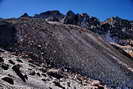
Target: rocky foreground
x=20, y=73
x=57, y=43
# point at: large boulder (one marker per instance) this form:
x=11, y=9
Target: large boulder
x=8, y=79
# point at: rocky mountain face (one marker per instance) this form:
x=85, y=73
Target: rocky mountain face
x=119, y=30
x=69, y=43
x=114, y=30
x=119, y=33
x=50, y=15
x=82, y=20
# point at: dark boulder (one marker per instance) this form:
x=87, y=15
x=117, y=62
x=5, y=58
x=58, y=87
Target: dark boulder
x=4, y=66
x=16, y=69
x=58, y=85
x=55, y=75
x=9, y=80
x=19, y=60
x=11, y=62
x=1, y=59
x=32, y=72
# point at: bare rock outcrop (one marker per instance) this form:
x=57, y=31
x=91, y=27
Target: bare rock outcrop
x=53, y=15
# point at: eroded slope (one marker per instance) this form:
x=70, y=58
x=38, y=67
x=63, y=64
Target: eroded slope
x=75, y=48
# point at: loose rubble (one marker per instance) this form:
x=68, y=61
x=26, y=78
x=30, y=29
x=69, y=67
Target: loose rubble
x=24, y=76
x=67, y=46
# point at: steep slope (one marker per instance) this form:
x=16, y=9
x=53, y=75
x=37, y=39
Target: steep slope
x=114, y=30
x=75, y=48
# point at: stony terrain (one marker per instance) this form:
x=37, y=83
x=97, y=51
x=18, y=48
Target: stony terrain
x=113, y=30
x=71, y=43
x=20, y=73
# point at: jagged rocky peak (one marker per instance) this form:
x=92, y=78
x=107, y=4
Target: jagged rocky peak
x=118, y=32
x=89, y=22
x=77, y=19
x=25, y=15
x=70, y=18
x=52, y=12
x=118, y=27
x=117, y=21
x=94, y=20
x=83, y=16
x=53, y=15
x=83, y=20
x=70, y=12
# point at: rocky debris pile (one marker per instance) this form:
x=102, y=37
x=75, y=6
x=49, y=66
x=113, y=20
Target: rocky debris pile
x=69, y=46
x=54, y=15
x=112, y=30
x=27, y=75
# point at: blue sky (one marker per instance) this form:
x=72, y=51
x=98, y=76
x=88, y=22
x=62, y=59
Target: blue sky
x=102, y=9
